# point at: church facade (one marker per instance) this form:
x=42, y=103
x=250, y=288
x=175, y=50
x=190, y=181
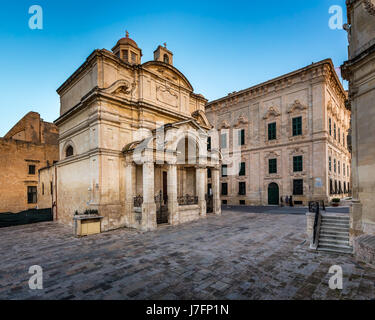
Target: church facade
x=285, y=137
x=133, y=142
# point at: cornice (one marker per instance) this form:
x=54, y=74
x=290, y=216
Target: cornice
x=323, y=69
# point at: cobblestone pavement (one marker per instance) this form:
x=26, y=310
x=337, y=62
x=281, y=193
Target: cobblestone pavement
x=240, y=255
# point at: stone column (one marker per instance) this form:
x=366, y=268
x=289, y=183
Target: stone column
x=148, y=206
x=174, y=217
x=201, y=181
x=129, y=194
x=215, y=173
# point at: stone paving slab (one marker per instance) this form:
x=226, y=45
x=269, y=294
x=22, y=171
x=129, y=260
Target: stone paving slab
x=239, y=255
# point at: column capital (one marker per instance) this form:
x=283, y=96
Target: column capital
x=148, y=161
x=129, y=163
x=201, y=166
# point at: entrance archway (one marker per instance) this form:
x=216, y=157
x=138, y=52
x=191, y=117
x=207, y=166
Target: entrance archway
x=273, y=194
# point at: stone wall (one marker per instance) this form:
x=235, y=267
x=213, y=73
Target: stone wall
x=359, y=70
x=15, y=159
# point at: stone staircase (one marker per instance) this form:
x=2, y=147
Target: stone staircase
x=334, y=234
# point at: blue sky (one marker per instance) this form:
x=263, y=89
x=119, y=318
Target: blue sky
x=220, y=46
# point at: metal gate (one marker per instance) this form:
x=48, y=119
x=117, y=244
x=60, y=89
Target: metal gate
x=161, y=202
x=210, y=203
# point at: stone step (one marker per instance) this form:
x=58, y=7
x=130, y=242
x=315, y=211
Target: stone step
x=339, y=224
x=333, y=242
x=333, y=237
x=332, y=219
x=334, y=229
x=334, y=233
x=336, y=250
x=335, y=246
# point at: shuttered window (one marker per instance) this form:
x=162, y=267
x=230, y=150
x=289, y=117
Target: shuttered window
x=297, y=126
x=297, y=164
x=272, y=131
x=272, y=166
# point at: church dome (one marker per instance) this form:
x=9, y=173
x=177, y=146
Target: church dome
x=127, y=41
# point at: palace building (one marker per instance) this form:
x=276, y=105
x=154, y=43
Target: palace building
x=133, y=142
x=285, y=137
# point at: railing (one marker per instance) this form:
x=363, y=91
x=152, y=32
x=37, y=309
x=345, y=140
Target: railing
x=315, y=207
x=187, y=200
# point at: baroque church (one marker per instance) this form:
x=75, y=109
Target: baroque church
x=134, y=142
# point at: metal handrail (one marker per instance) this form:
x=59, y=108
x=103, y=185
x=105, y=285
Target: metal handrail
x=316, y=221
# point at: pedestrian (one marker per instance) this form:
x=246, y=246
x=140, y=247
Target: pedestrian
x=281, y=201
x=286, y=200
x=291, y=201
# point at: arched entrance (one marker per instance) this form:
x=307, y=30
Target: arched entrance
x=273, y=194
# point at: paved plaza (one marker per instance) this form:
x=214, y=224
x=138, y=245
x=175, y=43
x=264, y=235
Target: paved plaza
x=239, y=255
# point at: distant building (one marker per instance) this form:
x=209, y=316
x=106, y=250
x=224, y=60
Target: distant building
x=29, y=146
x=291, y=133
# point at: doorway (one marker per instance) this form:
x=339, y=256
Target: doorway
x=161, y=202
x=273, y=194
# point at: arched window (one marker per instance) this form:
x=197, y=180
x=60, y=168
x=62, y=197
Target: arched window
x=166, y=58
x=69, y=151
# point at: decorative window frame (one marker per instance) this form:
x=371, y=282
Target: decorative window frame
x=68, y=144
x=273, y=155
x=298, y=151
x=296, y=110
x=272, y=115
x=242, y=124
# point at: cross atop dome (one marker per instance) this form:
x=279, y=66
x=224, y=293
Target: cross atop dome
x=127, y=50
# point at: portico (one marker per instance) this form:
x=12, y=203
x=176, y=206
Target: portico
x=168, y=184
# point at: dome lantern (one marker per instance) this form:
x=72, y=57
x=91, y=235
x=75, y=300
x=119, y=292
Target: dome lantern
x=127, y=50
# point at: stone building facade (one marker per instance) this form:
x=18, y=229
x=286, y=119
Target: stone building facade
x=284, y=137
x=133, y=142
x=359, y=70
x=29, y=146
